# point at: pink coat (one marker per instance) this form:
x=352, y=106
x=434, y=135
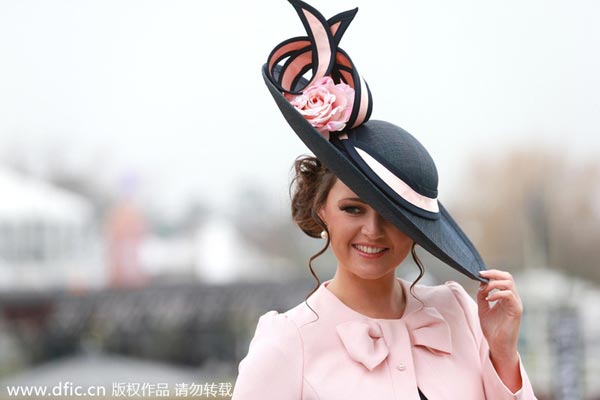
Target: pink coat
x=438, y=347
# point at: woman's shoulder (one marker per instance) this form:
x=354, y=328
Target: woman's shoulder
x=284, y=326
x=426, y=290
x=453, y=302
x=448, y=294
x=276, y=327
x=274, y=356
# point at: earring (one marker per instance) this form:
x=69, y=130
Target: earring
x=324, y=235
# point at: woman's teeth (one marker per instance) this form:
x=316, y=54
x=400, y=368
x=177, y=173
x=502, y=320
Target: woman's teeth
x=370, y=250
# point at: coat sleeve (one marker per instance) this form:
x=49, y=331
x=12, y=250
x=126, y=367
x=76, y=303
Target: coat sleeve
x=272, y=370
x=493, y=386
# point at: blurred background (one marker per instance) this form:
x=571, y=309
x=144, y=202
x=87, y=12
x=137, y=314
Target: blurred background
x=144, y=172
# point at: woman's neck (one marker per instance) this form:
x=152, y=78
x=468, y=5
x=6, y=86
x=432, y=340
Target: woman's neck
x=376, y=298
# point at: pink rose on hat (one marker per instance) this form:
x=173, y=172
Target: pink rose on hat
x=326, y=105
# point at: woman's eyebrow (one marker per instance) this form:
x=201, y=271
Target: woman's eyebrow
x=354, y=199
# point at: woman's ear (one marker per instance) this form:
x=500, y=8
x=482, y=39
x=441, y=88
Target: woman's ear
x=321, y=213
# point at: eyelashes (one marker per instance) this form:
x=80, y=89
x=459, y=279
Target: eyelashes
x=351, y=209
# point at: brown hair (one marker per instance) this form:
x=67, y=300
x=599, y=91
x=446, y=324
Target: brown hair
x=308, y=190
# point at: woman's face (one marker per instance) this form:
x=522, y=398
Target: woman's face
x=363, y=242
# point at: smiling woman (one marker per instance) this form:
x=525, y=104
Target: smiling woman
x=367, y=246
x=368, y=249
x=366, y=333
x=371, y=193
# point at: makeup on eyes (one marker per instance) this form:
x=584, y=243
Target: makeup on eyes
x=352, y=205
x=350, y=209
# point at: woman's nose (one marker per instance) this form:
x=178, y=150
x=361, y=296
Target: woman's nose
x=373, y=225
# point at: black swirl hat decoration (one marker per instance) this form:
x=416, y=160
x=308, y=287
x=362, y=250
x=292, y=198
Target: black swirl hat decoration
x=318, y=52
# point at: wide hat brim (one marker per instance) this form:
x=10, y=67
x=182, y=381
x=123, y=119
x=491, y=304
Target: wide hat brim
x=441, y=237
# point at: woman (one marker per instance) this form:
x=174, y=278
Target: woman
x=371, y=193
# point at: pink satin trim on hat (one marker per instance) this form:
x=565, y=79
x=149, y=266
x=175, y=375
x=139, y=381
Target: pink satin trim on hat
x=364, y=104
x=322, y=44
x=398, y=185
x=286, y=49
x=333, y=28
x=294, y=69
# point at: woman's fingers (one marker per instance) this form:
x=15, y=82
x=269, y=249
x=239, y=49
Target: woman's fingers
x=500, y=280
x=502, y=295
x=496, y=274
x=500, y=287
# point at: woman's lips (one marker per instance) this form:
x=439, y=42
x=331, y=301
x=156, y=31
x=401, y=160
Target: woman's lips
x=369, y=251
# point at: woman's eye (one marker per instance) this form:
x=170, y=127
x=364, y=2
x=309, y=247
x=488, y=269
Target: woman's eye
x=351, y=209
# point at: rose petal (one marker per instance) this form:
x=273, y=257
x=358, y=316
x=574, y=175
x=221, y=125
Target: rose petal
x=325, y=104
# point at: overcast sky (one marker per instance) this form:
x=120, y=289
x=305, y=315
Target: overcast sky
x=171, y=91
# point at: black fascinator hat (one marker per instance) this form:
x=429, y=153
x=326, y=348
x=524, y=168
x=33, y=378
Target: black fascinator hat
x=382, y=163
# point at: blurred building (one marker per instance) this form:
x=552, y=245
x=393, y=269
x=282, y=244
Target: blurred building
x=213, y=252
x=47, y=236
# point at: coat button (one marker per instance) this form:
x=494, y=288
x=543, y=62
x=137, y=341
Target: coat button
x=401, y=367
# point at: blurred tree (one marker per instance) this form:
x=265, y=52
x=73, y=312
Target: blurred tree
x=534, y=207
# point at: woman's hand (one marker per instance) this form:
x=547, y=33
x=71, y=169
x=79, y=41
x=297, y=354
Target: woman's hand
x=500, y=323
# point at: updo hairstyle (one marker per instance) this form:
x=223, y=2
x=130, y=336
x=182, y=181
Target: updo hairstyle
x=309, y=188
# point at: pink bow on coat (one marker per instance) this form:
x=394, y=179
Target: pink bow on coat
x=365, y=343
